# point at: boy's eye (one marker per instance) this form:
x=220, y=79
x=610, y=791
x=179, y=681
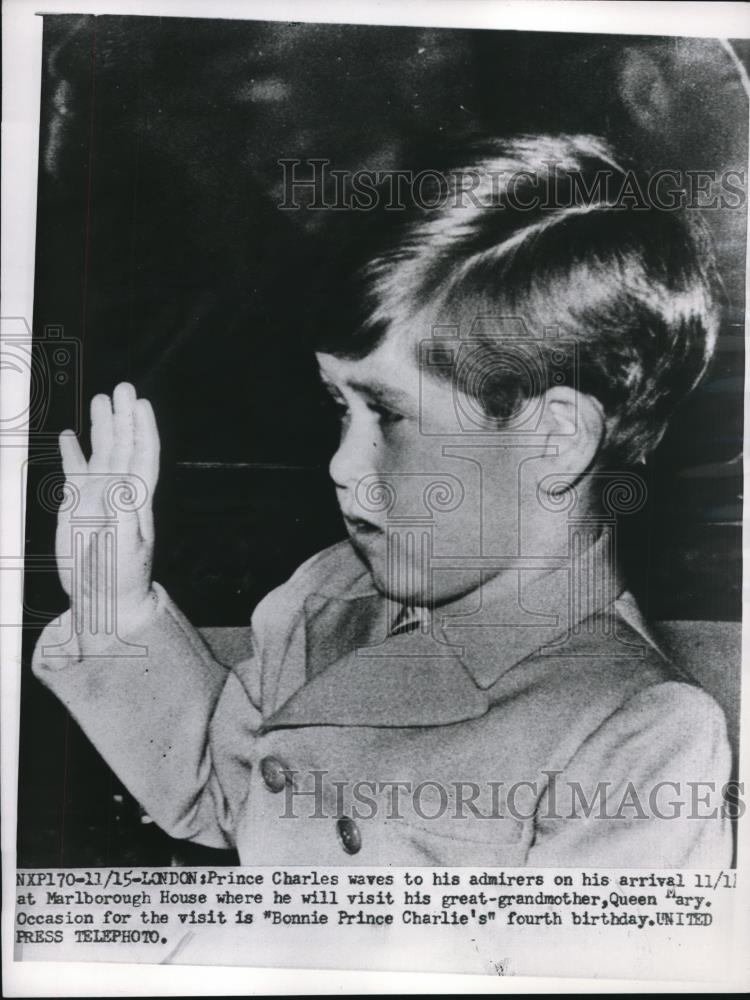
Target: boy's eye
x=386, y=415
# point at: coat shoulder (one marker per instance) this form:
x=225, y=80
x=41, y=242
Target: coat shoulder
x=333, y=573
x=610, y=668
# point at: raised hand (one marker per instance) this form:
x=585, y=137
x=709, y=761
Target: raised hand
x=105, y=527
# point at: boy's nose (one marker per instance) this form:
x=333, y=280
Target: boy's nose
x=354, y=459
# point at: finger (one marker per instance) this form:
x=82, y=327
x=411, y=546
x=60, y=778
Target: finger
x=73, y=461
x=146, y=452
x=123, y=401
x=102, y=433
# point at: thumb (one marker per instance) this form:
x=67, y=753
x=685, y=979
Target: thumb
x=73, y=461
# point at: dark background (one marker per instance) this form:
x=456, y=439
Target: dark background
x=163, y=259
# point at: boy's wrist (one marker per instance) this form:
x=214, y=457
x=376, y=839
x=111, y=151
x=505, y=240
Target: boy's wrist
x=130, y=619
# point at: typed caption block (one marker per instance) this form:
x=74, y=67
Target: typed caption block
x=469, y=920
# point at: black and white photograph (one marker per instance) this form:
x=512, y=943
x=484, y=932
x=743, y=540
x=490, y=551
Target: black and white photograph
x=383, y=495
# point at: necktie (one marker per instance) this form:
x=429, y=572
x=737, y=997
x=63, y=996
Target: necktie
x=408, y=620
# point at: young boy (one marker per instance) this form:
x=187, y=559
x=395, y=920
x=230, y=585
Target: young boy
x=464, y=680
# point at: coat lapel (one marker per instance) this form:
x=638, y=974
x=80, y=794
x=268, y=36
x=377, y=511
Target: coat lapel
x=336, y=626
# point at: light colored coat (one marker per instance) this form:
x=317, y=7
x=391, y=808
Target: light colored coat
x=486, y=726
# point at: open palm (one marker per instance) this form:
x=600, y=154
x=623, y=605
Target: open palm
x=105, y=527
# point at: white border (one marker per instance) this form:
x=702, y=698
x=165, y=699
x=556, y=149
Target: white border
x=690, y=18
x=22, y=36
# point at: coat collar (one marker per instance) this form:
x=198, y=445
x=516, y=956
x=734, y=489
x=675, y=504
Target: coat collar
x=358, y=674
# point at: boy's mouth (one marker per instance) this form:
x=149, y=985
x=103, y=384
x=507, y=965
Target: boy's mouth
x=358, y=526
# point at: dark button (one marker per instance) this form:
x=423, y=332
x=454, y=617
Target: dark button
x=351, y=838
x=273, y=774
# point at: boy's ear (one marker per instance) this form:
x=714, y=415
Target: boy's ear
x=575, y=425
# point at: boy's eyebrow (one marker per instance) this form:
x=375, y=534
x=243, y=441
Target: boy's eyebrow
x=382, y=393
x=379, y=392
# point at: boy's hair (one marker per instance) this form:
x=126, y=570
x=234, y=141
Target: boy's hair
x=551, y=230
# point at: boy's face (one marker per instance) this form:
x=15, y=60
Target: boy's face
x=408, y=485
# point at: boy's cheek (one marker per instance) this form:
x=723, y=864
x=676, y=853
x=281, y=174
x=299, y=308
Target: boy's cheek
x=420, y=561
x=447, y=498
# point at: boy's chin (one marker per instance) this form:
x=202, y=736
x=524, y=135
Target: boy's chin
x=385, y=584
x=431, y=592
x=408, y=597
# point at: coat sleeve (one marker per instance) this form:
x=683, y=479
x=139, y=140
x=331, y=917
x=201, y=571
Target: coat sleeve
x=645, y=789
x=149, y=714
